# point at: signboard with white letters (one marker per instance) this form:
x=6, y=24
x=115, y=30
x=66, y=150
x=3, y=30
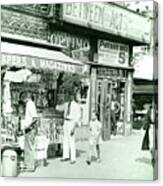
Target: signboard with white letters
x=113, y=54
x=108, y=18
x=31, y=62
x=67, y=40
x=78, y=47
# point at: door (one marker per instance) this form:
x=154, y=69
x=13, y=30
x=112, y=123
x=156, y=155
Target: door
x=104, y=93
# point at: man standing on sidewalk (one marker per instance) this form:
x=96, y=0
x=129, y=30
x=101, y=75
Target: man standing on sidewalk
x=71, y=120
x=30, y=132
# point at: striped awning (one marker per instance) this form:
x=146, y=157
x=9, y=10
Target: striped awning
x=37, y=58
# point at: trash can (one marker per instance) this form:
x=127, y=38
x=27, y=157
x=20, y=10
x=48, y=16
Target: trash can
x=9, y=163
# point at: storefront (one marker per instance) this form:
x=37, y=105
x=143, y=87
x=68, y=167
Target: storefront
x=112, y=87
x=113, y=32
x=78, y=48
x=40, y=72
x=100, y=35
x=145, y=89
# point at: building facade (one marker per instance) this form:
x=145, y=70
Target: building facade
x=111, y=39
x=96, y=34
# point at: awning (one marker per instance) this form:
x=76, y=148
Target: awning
x=145, y=89
x=37, y=58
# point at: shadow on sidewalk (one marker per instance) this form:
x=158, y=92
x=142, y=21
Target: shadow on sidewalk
x=79, y=152
x=144, y=160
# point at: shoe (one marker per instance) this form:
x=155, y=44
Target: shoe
x=153, y=162
x=88, y=162
x=98, y=160
x=66, y=159
x=28, y=170
x=72, y=162
x=45, y=163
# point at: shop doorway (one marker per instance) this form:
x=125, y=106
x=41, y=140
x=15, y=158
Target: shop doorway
x=104, y=92
x=110, y=104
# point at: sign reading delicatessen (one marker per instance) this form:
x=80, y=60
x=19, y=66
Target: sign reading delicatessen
x=108, y=18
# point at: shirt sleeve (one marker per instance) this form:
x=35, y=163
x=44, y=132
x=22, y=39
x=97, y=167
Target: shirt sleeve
x=65, y=109
x=33, y=110
x=100, y=125
x=24, y=124
x=77, y=113
x=61, y=107
x=90, y=125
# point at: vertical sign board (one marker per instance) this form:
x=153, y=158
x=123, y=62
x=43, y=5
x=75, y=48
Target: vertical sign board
x=113, y=54
x=108, y=18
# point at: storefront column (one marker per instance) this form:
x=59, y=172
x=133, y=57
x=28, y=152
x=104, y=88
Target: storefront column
x=93, y=90
x=128, y=106
x=128, y=109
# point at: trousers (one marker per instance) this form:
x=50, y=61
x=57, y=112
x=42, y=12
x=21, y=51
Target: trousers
x=29, y=150
x=69, y=150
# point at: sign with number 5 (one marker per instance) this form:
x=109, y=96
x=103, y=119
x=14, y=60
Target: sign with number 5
x=113, y=54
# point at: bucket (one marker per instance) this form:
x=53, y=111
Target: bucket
x=9, y=163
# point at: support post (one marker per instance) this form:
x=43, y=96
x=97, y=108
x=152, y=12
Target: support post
x=129, y=92
x=93, y=90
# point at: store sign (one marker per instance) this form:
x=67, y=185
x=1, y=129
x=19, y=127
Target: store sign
x=108, y=18
x=38, y=63
x=24, y=25
x=78, y=47
x=144, y=68
x=81, y=54
x=113, y=54
x=33, y=9
x=110, y=72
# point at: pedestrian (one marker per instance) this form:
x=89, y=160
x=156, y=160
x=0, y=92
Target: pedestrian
x=115, y=109
x=30, y=126
x=71, y=121
x=95, y=138
x=148, y=139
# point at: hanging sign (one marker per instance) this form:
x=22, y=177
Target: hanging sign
x=111, y=72
x=113, y=54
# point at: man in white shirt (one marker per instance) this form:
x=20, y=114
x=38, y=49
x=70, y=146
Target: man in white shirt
x=30, y=132
x=30, y=112
x=71, y=120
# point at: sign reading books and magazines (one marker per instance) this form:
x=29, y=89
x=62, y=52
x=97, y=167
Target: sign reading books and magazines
x=108, y=18
x=114, y=54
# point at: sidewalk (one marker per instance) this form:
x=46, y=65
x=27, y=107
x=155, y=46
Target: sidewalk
x=122, y=158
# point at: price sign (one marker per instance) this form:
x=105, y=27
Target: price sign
x=114, y=54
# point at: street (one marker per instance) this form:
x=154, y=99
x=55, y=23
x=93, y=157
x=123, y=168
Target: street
x=122, y=158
